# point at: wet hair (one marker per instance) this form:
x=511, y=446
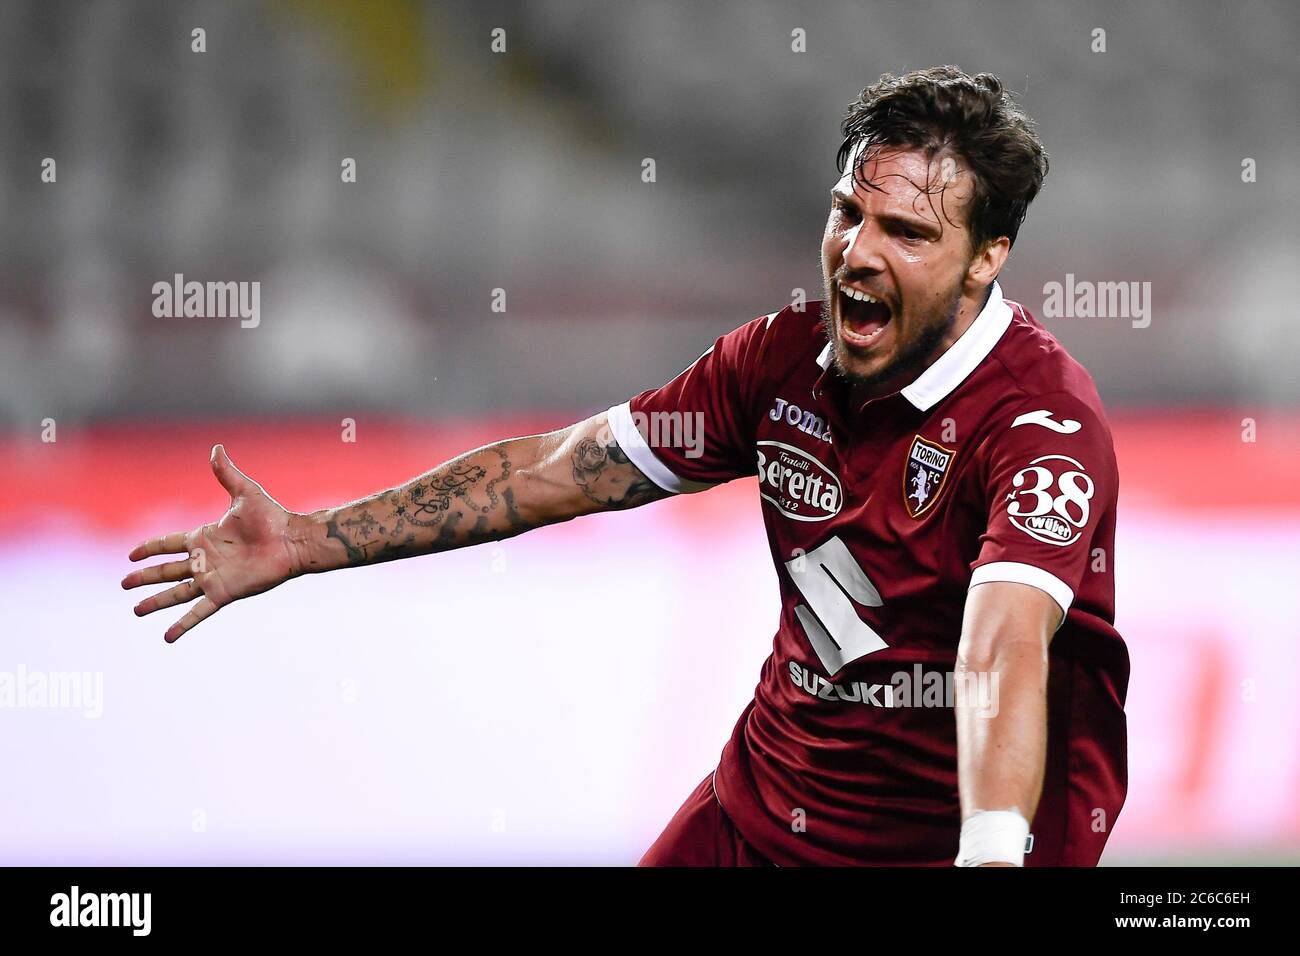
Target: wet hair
x=945, y=112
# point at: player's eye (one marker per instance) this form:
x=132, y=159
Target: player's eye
x=844, y=209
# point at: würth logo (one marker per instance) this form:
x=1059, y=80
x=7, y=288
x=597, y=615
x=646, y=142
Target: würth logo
x=925, y=474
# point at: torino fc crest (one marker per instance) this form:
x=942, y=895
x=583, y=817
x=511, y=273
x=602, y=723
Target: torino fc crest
x=924, y=475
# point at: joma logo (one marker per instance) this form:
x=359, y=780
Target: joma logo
x=809, y=423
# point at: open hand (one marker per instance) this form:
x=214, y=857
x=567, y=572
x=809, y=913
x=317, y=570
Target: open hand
x=246, y=552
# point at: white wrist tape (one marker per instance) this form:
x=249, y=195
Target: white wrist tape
x=993, y=836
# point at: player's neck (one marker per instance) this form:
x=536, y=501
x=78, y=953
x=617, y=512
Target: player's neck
x=967, y=312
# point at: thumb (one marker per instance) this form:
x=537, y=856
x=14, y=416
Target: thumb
x=231, y=478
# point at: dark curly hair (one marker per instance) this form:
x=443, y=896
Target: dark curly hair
x=972, y=118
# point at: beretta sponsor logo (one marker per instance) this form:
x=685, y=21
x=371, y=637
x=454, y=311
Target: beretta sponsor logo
x=798, y=484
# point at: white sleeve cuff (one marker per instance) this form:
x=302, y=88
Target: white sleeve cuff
x=629, y=438
x=1058, y=590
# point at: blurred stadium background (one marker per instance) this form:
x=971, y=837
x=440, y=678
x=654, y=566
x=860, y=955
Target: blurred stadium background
x=554, y=698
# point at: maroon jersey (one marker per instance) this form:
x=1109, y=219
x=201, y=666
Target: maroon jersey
x=995, y=464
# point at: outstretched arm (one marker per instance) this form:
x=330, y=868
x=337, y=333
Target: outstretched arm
x=491, y=493
x=487, y=494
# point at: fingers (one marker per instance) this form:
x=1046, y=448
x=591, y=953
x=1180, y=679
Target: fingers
x=171, y=571
x=231, y=478
x=173, y=543
x=204, y=608
x=177, y=595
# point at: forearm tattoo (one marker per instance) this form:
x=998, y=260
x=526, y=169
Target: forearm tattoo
x=427, y=514
x=476, y=497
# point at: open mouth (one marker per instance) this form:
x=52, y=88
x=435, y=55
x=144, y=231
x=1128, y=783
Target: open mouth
x=863, y=318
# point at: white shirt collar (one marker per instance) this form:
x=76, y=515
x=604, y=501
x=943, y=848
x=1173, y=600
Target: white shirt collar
x=955, y=365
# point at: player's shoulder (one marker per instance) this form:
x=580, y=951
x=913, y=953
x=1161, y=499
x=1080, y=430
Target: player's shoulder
x=786, y=338
x=797, y=323
x=1041, y=371
x=1039, y=400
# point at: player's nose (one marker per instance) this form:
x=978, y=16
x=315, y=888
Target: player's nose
x=864, y=250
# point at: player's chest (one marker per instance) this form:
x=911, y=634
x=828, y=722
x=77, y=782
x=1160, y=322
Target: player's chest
x=894, y=480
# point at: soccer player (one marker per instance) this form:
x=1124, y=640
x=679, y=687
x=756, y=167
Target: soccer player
x=938, y=483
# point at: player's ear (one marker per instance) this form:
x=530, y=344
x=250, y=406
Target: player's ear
x=988, y=261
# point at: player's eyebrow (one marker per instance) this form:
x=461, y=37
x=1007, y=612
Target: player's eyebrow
x=891, y=219
x=915, y=223
x=843, y=195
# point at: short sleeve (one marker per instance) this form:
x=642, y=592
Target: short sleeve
x=1050, y=485
x=695, y=431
